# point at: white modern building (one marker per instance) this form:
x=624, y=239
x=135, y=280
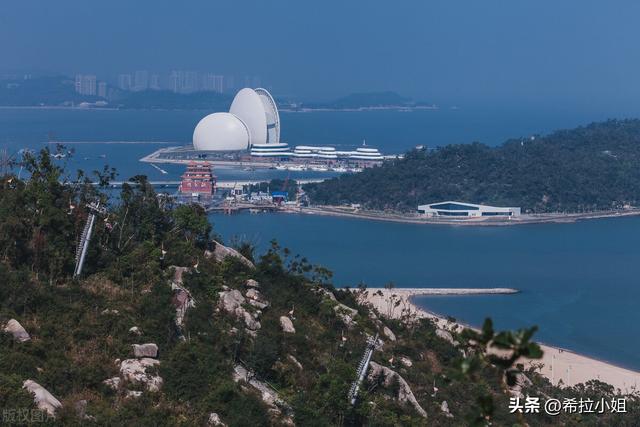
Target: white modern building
x=252, y=120
x=252, y=125
x=461, y=210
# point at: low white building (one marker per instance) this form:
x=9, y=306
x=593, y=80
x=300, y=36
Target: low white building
x=461, y=210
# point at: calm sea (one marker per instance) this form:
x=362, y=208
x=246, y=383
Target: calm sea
x=579, y=282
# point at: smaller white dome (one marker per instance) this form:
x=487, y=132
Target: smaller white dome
x=221, y=132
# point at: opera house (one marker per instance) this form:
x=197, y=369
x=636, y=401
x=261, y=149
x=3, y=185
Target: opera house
x=252, y=127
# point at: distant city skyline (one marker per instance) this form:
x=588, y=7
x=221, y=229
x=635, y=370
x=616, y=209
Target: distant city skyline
x=543, y=54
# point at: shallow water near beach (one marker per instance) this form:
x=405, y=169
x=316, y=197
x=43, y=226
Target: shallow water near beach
x=578, y=282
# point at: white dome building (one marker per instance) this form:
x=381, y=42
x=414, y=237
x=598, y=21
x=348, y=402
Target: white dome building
x=252, y=120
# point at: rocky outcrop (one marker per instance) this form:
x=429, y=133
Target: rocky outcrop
x=19, y=333
x=44, y=400
x=220, y=252
x=287, y=325
x=388, y=377
x=215, y=421
x=112, y=383
x=269, y=396
x=346, y=314
x=135, y=371
x=182, y=299
x=145, y=350
x=231, y=302
x=256, y=299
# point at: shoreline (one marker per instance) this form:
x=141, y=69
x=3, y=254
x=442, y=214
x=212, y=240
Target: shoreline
x=551, y=218
x=559, y=364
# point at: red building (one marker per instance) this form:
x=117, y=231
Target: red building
x=198, y=180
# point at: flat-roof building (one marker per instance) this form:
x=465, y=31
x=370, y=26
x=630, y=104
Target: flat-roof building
x=462, y=210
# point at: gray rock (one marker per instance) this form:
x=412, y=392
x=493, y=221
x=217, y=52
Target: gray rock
x=389, y=333
x=250, y=322
x=135, y=371
x=230, y=300
x=145, y=350
x=389, y=378
x=287, y=325
x=346, y=314
x=295, y=362
x=44, y=400
x=215, y=421
x=406, y=361
x=133, y=394
x=19, y=333
x=445, y=408
x=221, y=252
x=135, y=331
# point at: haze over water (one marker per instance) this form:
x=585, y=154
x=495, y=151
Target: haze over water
x=579, y=282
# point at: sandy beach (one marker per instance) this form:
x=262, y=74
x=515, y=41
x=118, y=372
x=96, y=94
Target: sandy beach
x=559, y=365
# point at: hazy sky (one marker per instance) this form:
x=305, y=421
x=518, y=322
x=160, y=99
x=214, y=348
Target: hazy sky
x=560, y=53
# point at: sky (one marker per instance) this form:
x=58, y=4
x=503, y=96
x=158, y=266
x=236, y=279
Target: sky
x=542, y=53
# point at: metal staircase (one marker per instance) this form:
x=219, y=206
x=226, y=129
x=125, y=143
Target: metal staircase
x=363, y=366
x=85, y=237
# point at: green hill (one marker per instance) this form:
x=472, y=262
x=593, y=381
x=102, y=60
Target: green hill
x=167, y=327
x=595, y=167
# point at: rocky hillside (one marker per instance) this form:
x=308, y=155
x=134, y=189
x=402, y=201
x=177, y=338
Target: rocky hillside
x=168, y=326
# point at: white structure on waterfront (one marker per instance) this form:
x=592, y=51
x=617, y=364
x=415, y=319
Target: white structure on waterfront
x=252, y=120
x=311, y=152
x=460, y=210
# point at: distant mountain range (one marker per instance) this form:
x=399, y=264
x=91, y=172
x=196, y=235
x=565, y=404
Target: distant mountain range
x=368, y=101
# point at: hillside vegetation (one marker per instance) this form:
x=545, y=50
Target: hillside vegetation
x=596, y=167
x=168, y=327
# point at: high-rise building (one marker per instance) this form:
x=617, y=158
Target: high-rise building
x=154, y=82
x=190, y=82
x=86, y=84
x=102, y=89
x=141, y=80
x=124, y=81
x=213, y=83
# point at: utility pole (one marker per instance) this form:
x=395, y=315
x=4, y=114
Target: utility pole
x=85, y=237
x=363, y=366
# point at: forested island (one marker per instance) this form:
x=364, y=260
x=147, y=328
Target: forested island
x=590, y=168
x=168, y=326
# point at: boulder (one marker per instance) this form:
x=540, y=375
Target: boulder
x=182, y=299
x=406, y=361
x=295, y=362
x=444, y=407
x=220, y=252
x=251, y=323
x=133, y=394
x=346, y=314
x=110, y=311
x=178, y=272
x=250, y=283
x=135, y=371
x=44, y=400
x=287, y=325
x=145, y=350
x=19, y=333
x=389, y=333
x=230, y=300
x=215, y=421
x=389, y=377
x=135, y=331
x=256, y=299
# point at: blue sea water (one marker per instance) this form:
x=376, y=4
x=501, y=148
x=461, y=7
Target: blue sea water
x=579, y=282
